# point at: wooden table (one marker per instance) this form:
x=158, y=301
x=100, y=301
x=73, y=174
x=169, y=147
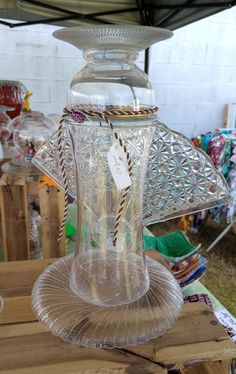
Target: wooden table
x=26, y=347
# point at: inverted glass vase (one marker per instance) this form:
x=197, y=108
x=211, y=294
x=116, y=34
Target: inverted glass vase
x=109, y=294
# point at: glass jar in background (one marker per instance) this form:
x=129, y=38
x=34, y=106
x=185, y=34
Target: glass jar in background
x=5, y=128
x=5, y=131
x=12, y=95
x=34, y=233
x=31, y=130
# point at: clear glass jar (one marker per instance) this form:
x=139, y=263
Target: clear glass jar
x=31, y=130
x=5, y=128
x=5, y=133
x=12, y=95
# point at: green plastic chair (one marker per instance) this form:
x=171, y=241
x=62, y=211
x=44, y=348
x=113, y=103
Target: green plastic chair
x=173, y=246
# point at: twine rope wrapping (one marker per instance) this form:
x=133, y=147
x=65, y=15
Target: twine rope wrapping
x=110, y=111
x=78, y=114
x=63, y=170
x=125, y=193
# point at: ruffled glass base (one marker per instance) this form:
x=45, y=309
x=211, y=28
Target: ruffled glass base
x=90, y=325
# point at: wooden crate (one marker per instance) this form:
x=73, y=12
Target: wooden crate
x=15, y=191
x=196, y=344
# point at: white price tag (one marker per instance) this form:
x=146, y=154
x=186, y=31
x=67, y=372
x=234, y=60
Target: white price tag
x=118, y=165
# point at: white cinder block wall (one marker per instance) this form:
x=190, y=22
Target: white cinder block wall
x=193, y=74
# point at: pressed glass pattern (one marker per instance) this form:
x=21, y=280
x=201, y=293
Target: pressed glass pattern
x=122, y=275
x=180, y=178
x=103, y=37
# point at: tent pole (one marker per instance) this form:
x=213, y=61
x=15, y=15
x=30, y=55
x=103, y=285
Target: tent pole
x=146, y=60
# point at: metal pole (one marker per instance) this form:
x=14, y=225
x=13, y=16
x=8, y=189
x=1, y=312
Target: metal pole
x=146, y=60
x=219, y=237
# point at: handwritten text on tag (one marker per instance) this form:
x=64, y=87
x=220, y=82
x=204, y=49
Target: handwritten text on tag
x=118, y=165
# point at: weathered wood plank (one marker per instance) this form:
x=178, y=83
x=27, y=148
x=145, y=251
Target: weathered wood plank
x=41, y=352
x=220, y=367
x=16, y=282
x=21, y=329
x=14, y=193
x=51, y=210
x=91, y=367
x=17, y=275
x=17, y=309
x=197, y=336
x=29, y=348
x=14, y=217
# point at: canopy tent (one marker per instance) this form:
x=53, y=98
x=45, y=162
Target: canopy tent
x=170, y=14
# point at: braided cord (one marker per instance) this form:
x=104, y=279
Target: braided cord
x=111, y=111
x=125, y=193
x=63, y=170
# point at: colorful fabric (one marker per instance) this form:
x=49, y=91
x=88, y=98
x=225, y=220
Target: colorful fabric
x=185, y=264
x=196, y=290
x=192, y=276
x=174, y=246
x=220, y=145
x=201, y=298
x=189, y=269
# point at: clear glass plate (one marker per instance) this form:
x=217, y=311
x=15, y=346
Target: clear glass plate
x=114, y=36
x=86, y=324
